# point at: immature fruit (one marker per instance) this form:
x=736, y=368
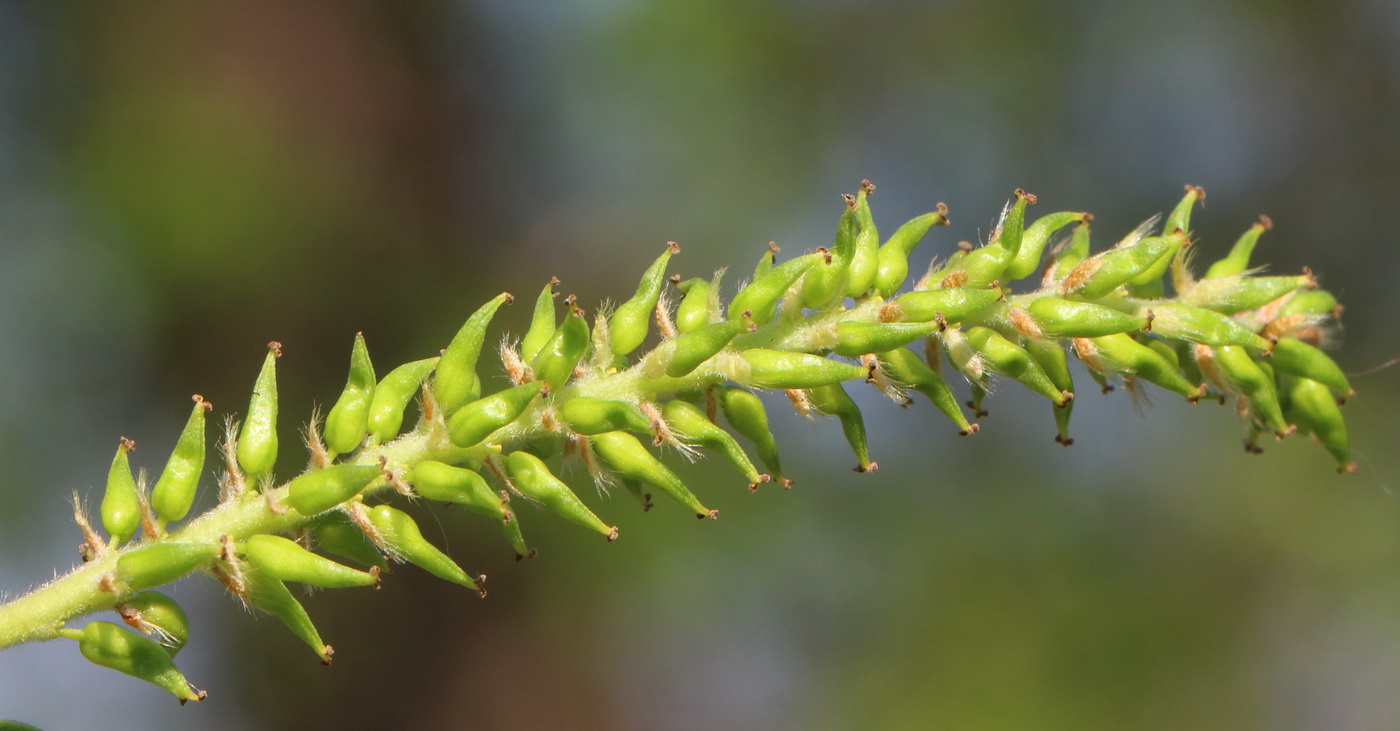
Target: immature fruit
x=1062, y=318
x=954, y=305
x=780, y=369
x=760, y=298
x=456, y=382
x=533, y=479
x=983, y=266
x=1007, y=358
x=1122, y=355
x=692, y=348
x=1297, y=358
x=478, y=419
x=893, y=260
x=745, y=413
x=631, y=321
x=348, y=420
x=1237, y=261
x=1099, y=275
x=285, y=560
x=270, y=595
x=159, y=617
x=694, y=310
x=834, y=401
x=909, y=370
x=319, y=491
x=1033, y=242
x=865, y=255
x=146, y=567
x=121, y=506
x=402, y=536
x=542, y=323
x=391, y=397
x=556, y=360
x=1254, y=384
x=1231, y=293
x=854, y=339
x=624, y=454
x=257, y=441
x=1178, y=321
x=689, y=422
x=826, y=285
x=108, y=645
x=174, y=492
x=588, y=415
x=1312, y=407
x=1051, y=358
x=443, y=482
x=337, y=535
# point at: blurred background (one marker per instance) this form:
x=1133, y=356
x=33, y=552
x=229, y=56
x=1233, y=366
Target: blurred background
x=182, y=182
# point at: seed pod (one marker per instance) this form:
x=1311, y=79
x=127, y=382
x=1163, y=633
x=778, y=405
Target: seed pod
x=780, y=369
x=697, y=346
x=962, y=355
x=319, y=491
x=1179, y=321
x=392, y=395
x=1254, y=383
x=631, y=321
x=1101, y=274
x=348, y=421
x=1309, y=302
x=766, y=262
x=1311, y=407
x=1167, y=352
x=174, y=492
x=955, y=304
x=746, y=415
x=533, y=479
x=1231, y=293
x=1297, y=358
x=456, y=382
x=1178, y=220
x=1010, y=359
x=1061, y=318
x=834, y=401
x=630, y=459
x=826, y=285
x=285, y=560
x=257, y=441
x=438, y=481
x=121, y=505
x=760, y=298
x=1122, y=355
x=270, y=595
x=588, y=415
x=1051, y=358
x=854, y=339
x=158, y=616
x=694, y=310
x=689, y=422
x=110, y=646
x=1068, y=258
x=893, y=261
x=542, y=323
x=865, y=255
x=150, y=566
x=477, y=420
x=988, y=264
x=1033, y=242
x=401, y=534
x=906, y=367
x=337, y=535
x=1237, y=261
x=940, y=275
x=556, y=360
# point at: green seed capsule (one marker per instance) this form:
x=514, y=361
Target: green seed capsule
x=780, y=369
x=285, y=560
x=988, y=264
x=477, y=420
x=1051, y=358
x=834, y=401
x=348, y=421
x=1254, y=383
x=392, y=395
x=257, y=441
x=319, y=491
x=556, y=361
x=766, y=262
x=955, y=304
x=631, y=321
x=1101, y=274
x=157, y=616
x=865, y=255
x=630, y=459
x=438, y=481
x=694, y=310
x=760, y=298
x=1008, y=358
x=1123, y=355
x=174, y=492
x=1033, y=242
x=1178, y=220
x=588, y=415
x=691, y=349
x=150, y=566
x=401, y=534
x=1231, y=293
x=1309, y=302
x=1167, y=352
x=1297, y=358
x=893, y=262
x=337, y=535
x=121, y=506
x=746, y=415
x=456, y=382
x=906, y=368
x=542, y=323
x=1061, y=318
x=826, y=285
x=1179, y=321
x=943, y=277
x=1070, y=257
x=854, y=339
x=534, y=480
x=1312, y=407
x=689, y=422
x=110, y=646
x=270, y=595
x=1237, y=261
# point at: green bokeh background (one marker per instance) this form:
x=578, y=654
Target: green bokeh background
x=182, y=182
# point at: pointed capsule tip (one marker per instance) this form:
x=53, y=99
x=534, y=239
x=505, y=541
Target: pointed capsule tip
x=612, y=534
x=276, y=348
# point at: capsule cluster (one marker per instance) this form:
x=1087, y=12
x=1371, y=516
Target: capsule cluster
x=583, y=389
